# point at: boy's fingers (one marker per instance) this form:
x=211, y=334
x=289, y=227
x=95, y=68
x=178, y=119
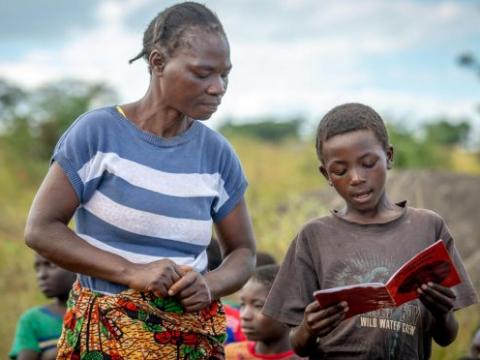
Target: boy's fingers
x=438, y=296
x=433, y=304
x=442, y=289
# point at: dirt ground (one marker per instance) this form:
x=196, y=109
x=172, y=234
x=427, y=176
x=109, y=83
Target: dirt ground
x=456, y=197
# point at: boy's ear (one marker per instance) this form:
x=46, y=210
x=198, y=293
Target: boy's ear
x=389, y=156
x=156, y=62
x=324, y=172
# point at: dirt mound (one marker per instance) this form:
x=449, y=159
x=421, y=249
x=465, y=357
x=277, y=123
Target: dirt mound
x=454, y=196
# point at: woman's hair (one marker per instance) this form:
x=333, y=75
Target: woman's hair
x=166, y=31
x=265, y=275
x=350, y=117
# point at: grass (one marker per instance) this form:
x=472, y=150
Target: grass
x=279, y=176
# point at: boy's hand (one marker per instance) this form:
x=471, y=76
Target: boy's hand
x=437, y=299
x=318, y=321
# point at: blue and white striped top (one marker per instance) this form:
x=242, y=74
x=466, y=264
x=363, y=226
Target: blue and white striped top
x=144, y=197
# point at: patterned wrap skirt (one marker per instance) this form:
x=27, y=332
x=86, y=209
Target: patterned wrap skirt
x=136, y=325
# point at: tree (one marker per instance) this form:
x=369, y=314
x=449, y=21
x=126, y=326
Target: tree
x=34, y=120
x=265, y=129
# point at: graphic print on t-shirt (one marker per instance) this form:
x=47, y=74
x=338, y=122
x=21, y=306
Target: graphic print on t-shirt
x=397, y=324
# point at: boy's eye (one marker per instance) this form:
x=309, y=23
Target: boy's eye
x=339, y=171
x=369, y=163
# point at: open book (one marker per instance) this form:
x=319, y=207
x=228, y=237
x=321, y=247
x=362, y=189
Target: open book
x=432, y=264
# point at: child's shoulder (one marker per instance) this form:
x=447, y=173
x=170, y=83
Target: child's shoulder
x=424, y=214
x=322, y=222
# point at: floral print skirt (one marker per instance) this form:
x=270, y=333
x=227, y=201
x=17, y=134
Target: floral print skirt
x=136, y=325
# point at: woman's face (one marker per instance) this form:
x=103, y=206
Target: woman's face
x=194, y=79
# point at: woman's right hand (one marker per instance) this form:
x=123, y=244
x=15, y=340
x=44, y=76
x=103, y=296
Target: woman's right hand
x=156, y=277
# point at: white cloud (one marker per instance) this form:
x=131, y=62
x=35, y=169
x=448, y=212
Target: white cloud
x=290, y=57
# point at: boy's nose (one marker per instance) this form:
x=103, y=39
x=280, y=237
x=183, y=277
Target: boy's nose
x=245, y=314
x=356, y=177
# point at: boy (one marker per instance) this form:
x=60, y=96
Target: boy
x=366, y=241
x=268, y=338
x=39, y=328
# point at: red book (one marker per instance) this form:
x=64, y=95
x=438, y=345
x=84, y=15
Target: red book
x=430, y=265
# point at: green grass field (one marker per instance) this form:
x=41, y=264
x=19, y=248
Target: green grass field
x=279, y=175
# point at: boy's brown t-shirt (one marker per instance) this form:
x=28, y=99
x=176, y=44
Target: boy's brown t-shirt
x=331, y=251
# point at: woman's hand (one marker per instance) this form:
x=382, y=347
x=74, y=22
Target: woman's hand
x=437, y=299
x=192, y=290
x=157, y=276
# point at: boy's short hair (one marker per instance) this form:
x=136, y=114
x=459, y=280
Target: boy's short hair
x=264, y=258
x=350, y=117
x=265, y=275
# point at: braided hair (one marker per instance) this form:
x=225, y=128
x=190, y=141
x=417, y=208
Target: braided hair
x=166, y=32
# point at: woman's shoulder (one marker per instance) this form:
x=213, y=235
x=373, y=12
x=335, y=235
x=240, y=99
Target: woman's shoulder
x=212, y=136
x=96, y=118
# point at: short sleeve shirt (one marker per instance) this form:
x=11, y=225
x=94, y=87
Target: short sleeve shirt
x=38, y=329
x=331, y=251
x=245, y=350
x=145, y=197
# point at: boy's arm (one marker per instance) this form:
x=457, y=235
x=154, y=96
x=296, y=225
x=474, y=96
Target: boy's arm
x=439, y=300
x=316, y=322
x=28, y=355
x=445, y=330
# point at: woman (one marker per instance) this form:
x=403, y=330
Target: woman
x=145, y=181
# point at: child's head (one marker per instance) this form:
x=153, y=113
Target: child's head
x=352, y=146
x=264, y=258
x=255, y=325
x=54, y=281
x=475, y=347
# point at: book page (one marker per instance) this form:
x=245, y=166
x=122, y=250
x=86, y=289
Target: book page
x=361, y=298
x=432, y=264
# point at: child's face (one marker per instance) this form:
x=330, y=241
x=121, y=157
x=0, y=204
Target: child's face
x=355, y=163
x=52, y=279
x=255, y=325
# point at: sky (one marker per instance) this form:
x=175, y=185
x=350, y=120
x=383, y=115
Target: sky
x=290, y=57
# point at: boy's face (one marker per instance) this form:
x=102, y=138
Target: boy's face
x=355, y=163
x=52, y=279
x=255, y=325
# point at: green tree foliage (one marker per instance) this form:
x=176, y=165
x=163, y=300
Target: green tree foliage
x=32, y=121
x=265, y=129
x=445, y=132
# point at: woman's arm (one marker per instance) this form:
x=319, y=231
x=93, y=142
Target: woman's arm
x=235, y=235
x=237, y=241
x=48, y=234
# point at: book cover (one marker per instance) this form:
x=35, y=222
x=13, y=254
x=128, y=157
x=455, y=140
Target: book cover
x=431, y=264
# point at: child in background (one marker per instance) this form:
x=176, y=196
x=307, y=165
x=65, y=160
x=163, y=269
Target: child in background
x=366, y=241
x=39, y=328
x=214, y=255
x=267, y=338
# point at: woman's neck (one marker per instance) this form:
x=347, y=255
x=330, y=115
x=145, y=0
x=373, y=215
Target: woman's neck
x=151, y=115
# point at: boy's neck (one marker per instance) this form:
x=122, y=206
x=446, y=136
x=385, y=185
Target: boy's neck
x=58, y=305
x=277, y=346
x=385, y=211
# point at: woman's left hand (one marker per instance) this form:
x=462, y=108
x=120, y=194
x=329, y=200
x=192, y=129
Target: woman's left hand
x=192, y=289
x=437, y=299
